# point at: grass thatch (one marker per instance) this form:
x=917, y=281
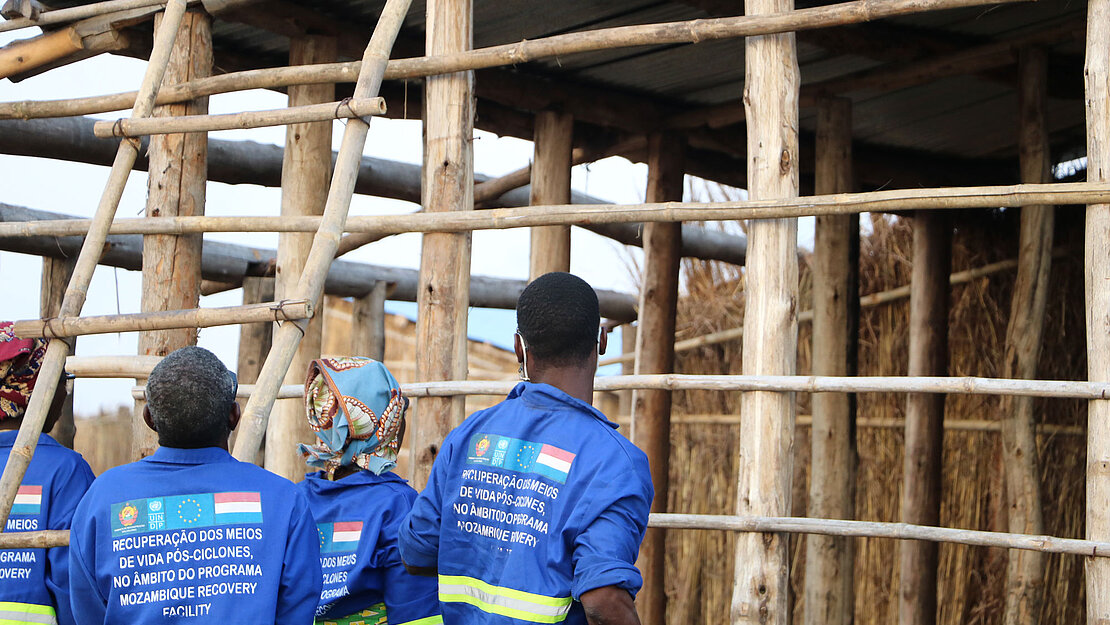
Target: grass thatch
x=703, y=467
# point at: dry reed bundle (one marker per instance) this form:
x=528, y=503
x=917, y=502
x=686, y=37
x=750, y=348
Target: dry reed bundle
x=971, y=578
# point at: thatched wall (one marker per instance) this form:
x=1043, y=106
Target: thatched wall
x=703, y=467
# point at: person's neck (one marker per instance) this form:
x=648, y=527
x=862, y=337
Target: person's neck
x=577, y=382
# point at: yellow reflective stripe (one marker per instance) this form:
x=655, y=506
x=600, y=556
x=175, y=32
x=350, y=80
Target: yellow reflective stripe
x=505, y=592
x=509, y=602
x=31, y=608
x=427, y=620
x=16, y=613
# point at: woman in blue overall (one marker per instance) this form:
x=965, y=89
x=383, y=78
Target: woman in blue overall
x=34, y=583
x=357, y=410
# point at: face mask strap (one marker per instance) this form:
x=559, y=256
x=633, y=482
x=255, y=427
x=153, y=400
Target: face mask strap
x=523, y=369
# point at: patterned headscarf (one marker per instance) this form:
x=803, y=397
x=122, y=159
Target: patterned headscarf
x=356, y=408
x=20, y=360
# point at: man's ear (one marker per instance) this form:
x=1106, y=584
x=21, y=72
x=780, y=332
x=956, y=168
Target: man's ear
x=602, y=343
x=148, y=420
x=234, y=416
x=518, y=347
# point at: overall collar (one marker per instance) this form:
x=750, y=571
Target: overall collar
x=539, y=395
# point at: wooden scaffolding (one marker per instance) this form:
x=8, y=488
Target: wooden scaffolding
x=170, y=106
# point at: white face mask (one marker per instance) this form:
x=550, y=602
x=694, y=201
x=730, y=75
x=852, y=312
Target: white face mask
x=524, y=359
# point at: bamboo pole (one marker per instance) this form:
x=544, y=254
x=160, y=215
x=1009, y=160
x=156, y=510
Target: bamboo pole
x=761, y=582
x=1097, y=270
x=1061, y=389
x=61, y=327
x=830, y=563
x=368, y=323
x=797, y=525
x=580, y=214
x=692, y=31
x=111, y=366
x=56, y=273
x=327, y=111
x=651, y=409
x=1025, y=571
x=448, y=189
x=928, y=355
x=305, y=173
x=56, y=352
x=311, y=284
x=176, y=187
x=73, y=14
x=553, y=140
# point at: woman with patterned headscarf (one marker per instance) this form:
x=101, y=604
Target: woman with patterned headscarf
x=34, y=583
x=356, y=408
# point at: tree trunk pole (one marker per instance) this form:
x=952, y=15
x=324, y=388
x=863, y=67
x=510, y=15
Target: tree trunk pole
x=928, y=355
x=175, y=187
x=829, y=579
x=553, y=139
x=651, y=409
x=305, y=175
x=760, y=593
x=1097, y=266
x=448, y=185
x=254, y=338
x=56, y=273
x=1025, y=570
x=368, y=323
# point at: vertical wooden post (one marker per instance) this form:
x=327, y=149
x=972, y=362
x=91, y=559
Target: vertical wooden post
x=932, y=263
x=770, y=322
x=829, y=578
x=1025, y=571
x=651, y=409
x=368, y=323
x=305, y=175
x=628, y=346
x=175, y=187
x=56, y=273
x=553, y=138
x=254, y=340
x=448, y=184
x=1097, y=267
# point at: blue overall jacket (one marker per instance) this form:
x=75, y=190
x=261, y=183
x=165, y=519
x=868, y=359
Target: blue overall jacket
x=530, y=504
x=357, y=518
x=34, y=583
x=193, y=535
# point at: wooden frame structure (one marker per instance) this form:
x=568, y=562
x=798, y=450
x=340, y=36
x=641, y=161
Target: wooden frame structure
x=317, y=196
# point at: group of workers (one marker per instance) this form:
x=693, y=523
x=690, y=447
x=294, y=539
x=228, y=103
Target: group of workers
x=533, y=513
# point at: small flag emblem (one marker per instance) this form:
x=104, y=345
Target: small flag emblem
x=28, y=500
x=339, y=537
x=554, y=463
x=237, y=508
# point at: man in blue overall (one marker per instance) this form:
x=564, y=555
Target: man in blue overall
x=34, y=583
x=536, y=507
x=190, y=533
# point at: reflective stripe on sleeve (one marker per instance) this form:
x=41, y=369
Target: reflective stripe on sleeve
x=517, y=604
x=15, y=613
x=427, y=620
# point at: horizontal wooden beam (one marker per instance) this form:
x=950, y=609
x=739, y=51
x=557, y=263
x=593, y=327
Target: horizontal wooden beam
x=225, y=262
x=1075, y=193
x=247, y=162
x=345, y=109
x=62, y=327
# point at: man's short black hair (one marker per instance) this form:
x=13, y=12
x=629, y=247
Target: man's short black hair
x=559, y=318
x=189, y=395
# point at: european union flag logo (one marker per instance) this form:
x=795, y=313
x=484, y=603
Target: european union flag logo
x=186, y=511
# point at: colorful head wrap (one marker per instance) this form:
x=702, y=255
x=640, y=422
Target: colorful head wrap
x=356, y=408
x=20, y=360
